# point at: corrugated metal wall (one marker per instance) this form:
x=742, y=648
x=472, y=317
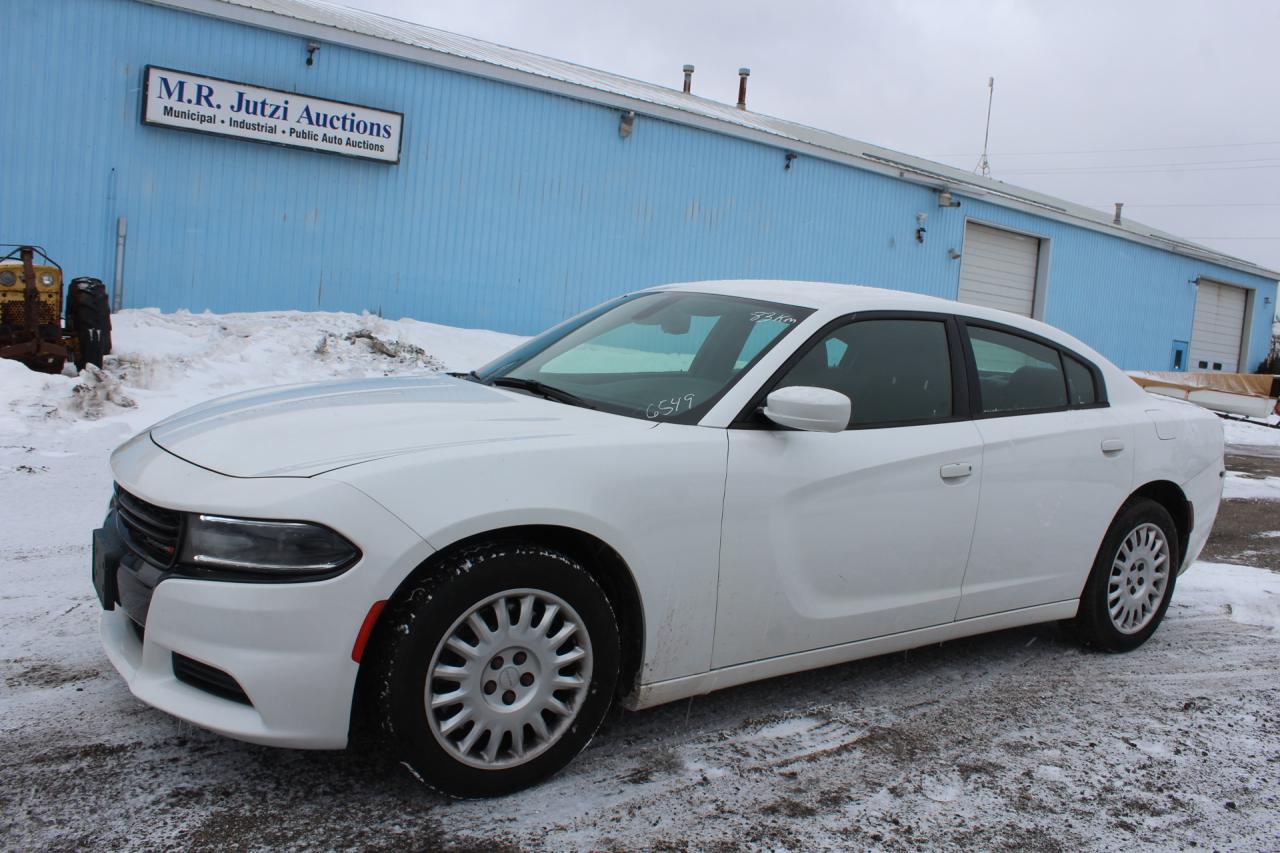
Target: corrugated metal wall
x=510, y=209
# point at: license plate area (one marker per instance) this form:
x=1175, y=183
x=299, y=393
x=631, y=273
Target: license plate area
x=106, y=559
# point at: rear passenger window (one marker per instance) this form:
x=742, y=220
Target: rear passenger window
x=1016, y=374
x=1080, y=384
x=893, y=371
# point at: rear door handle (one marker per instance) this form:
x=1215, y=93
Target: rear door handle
x=1112, y=445
x=956, y=470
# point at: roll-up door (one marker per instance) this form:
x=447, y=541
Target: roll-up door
x=998, y=269
x=1217, y=330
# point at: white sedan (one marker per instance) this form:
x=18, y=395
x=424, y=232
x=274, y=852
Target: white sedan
x=681, y=490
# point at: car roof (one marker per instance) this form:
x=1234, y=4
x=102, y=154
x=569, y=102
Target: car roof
x=840, y=297
x=835, y=299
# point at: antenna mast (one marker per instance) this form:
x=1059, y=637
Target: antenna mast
x=984, y=165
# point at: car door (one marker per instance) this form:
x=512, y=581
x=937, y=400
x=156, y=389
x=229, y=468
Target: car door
x=830, y=538
x=1057, y=464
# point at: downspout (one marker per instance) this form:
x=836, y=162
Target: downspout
x=117, y=291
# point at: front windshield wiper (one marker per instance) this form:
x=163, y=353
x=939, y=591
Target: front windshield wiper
x=470, y=374
x=543, y=389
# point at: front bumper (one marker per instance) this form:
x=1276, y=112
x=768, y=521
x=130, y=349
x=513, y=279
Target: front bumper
x=291, y=662
x=287, y=646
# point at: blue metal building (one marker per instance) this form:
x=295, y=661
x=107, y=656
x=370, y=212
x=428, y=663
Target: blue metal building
x=528, y=188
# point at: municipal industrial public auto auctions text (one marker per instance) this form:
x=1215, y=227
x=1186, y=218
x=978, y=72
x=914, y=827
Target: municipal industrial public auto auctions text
x=314, y=122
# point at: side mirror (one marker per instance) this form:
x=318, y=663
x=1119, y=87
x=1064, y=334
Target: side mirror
x=808, y=408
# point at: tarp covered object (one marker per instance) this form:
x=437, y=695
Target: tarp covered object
x=1249, y=394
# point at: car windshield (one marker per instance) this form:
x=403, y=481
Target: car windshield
x=662, y=356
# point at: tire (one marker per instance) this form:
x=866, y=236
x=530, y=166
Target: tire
x=88, y=316
x=92, y=348
x=505, y=678
x=1132, y=580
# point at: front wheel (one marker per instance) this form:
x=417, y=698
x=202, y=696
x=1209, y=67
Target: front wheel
x=1132, y=580
x=496, y=669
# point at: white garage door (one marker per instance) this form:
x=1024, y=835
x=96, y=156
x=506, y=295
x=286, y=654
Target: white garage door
x=1218, y=327
x=998, y=269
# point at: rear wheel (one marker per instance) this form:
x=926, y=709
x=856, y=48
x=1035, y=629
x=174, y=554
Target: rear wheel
x=1132, y=580
x=496, y=670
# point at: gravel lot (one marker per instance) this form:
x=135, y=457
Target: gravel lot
x=1012, y=741
x=1240, y=535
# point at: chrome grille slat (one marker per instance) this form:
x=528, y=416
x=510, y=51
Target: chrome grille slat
x=150, y=531
x=140, y=523
x=162, y=519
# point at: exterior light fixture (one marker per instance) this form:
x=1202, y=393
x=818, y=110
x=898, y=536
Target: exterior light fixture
x=627, y=124
x=312, y=47
x=945, y=200
x=920, y=231
x=788, y=158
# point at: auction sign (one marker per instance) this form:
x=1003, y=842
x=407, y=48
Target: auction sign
x=226, y=108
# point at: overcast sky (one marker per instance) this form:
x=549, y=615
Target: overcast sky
x=1168, y=106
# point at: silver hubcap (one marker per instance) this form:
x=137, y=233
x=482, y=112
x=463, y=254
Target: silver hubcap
x=508, y=678
x=1139, y=577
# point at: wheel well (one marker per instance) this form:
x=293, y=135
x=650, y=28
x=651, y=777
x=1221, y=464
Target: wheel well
x=596, y=556
x=1171, y=497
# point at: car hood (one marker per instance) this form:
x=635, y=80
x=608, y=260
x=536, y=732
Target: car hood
x=304, y=430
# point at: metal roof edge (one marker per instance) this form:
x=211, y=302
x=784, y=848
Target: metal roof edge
x=994, y=192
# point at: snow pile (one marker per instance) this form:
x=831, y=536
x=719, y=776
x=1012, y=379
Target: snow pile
x=1245, y=594
x=1238, y=485
x=97, y=388
x=398, y=351
x=163, y=363
x=1251, y=433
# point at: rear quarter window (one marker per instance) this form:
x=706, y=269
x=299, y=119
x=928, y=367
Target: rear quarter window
x=1082, y=386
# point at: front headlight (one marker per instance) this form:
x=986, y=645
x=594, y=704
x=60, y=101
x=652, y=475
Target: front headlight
x=266, y=548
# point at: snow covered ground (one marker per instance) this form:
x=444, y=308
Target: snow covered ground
x=1238, y=485
x=1251, y=434
x=1013, y=741
x=1258, y=440
x=167, y=362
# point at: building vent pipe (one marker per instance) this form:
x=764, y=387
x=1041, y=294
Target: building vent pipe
x=1119, y=205
x=743, y=74
x=688, y=79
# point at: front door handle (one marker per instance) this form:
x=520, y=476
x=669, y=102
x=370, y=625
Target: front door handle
x=1112, y=445
x=956, y=470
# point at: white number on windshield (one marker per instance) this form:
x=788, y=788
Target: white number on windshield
x=670, y=406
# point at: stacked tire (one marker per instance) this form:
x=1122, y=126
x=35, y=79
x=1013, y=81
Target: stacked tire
x=88, y=317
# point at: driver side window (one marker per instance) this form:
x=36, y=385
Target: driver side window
x=893, y=371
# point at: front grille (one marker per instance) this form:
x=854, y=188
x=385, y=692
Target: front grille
x=150, y=531
x=208, y=678
x=13, y=312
